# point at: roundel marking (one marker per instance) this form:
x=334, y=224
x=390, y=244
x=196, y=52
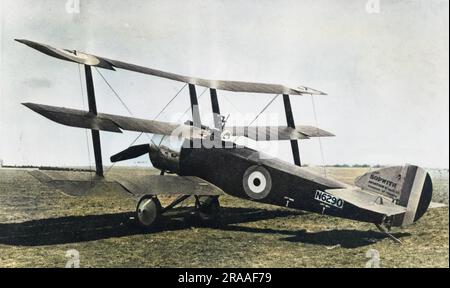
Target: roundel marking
x=257, y=182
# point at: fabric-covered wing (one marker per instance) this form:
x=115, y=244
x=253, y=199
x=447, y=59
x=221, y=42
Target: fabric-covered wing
x=236, y=86
x=77, y=183
x=266, y=133
x=115, y=123
x=168, y=185
x=82, y=183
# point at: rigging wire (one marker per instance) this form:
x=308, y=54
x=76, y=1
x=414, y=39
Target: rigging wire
x=160, y=112
x=228, y=100
x=168, y=103
x=322, y=154
x=264, y=109
x=114, y=91
x=124, y=105
x=129, y=111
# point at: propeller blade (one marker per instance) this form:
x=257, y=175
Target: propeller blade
x=131, y=152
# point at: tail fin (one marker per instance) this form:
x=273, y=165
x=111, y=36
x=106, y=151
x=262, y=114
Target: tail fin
x=408, y=186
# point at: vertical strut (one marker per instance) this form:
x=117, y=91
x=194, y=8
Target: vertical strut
x=93, y=110
x=196, y=143
x=194, y=106
x=215, y=109
x=217, y=118
x=291, y=123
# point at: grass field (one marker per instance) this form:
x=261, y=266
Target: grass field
x=39, y=224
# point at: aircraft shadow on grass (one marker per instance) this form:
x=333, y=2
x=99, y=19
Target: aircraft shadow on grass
x=73, y=229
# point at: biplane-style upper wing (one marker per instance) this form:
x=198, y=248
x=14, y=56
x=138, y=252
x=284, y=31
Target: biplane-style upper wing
x=263, y=133
x=115, y=123
x=101, y=62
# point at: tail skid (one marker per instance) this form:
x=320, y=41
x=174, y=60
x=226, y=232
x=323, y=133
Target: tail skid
x=385, y=231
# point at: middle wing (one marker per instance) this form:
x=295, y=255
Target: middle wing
x=115, y=123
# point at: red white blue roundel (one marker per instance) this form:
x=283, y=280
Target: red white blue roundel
x=257, y=182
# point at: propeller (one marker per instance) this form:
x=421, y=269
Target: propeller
x=131, y=152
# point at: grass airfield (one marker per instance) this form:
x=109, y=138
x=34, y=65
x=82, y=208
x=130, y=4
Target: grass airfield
x=39, y=224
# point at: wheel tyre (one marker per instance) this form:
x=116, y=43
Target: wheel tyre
x=148, y=211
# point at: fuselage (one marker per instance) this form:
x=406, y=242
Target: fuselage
x=248, y=174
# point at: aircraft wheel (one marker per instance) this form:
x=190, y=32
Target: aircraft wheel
x=208, y=209
x=148, y=211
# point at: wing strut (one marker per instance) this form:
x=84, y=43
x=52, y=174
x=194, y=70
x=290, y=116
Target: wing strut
x=216, y=116
x=194, y=106
x=291, y=124
x=215, y=109
x=93, y=109
x=196, y=122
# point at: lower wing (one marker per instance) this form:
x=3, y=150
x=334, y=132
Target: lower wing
x=81, y=183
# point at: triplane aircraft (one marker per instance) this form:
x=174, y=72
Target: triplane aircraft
x=210, y=164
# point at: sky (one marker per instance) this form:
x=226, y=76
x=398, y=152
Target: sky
x=384, y=65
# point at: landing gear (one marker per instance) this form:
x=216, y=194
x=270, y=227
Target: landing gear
x=148, y=211
x=208, y=209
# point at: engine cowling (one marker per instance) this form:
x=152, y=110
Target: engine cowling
x=165, y=153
